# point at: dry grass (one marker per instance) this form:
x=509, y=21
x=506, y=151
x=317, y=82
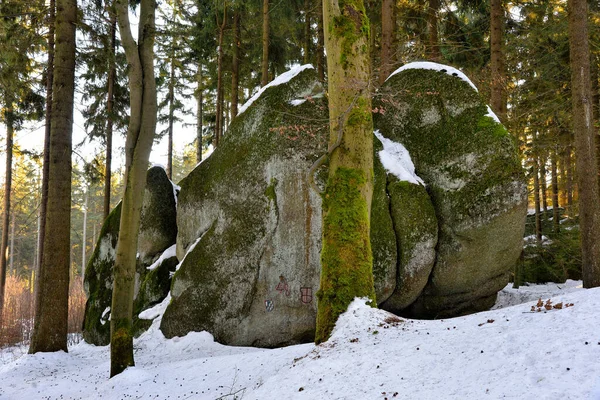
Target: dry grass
x=17, y=317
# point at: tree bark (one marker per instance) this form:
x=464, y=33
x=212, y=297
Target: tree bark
x=433, y=45
x=388, y=25
x=46, y=161
x=84, y=234
x=140, y=134
x=497, y=62
x=219, y=106
x=112, y=74
x=307, y=37
x=265, y=44
x=7, y=193
x=320, y=43
x=586, y=162
x=555, y=204
x=536, y=199
x=51, y=316
x=171, y=116
x=543, y=184
x=199, y=114
x=346, y=258
x=235, y=65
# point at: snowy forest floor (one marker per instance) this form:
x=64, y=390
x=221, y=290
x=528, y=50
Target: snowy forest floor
x=509, y=352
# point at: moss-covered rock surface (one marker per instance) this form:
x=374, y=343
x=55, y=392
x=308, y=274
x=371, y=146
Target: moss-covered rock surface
x=473, y=177
x=158, y=231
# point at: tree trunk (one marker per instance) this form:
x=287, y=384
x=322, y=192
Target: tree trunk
x=497, y=62
x=84, y=234
x=140, y=134
x=388, y=25
x=320, y=43
x=46, y=161
x=433, y=45
x=346, y=259
x=265, y=43
x=7, y=192
x=585, y=137
x=569, y=163
x=51, y=316
x=544, y=184
x=307, y=36
x=112, y=73
x=219, y=106
x=171, y=117
x=555, y=204
x=199, y=115
x=536, y=199
x=235, y=65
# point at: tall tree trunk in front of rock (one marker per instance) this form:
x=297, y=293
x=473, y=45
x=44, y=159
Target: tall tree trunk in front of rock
x=171, y=121
x=46, y=161
x=9, y=117
x=140, y=134
x=52, y=304
x=388, y=25
x=346, y=259
x=497, y=62
x=585, y=142
x=433, y=43
x=219, y=105
x=235, y=65
x=199, y=114
x=320, y=43
x=265, y=44
x=112, y=74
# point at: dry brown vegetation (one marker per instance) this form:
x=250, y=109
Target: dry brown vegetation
x=17, y=317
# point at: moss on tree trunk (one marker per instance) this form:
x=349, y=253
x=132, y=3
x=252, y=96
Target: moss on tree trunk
x=346, y=259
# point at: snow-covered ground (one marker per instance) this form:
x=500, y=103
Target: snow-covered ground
x=510, y=353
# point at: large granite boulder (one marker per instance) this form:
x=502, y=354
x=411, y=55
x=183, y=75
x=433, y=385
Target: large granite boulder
x=156, y=259
x=474, y=179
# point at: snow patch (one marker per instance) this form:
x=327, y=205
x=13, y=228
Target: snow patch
x=280, y=80
x=104, y=318
x=492, y=115
x=396, y=160
x=435, y=67
x=168, y=253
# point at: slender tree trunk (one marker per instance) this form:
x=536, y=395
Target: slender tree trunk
x=498, y=64
x=536, y=199
x=307, y=36
x=265, y=43
x=112, y=74
x=84, y=234
x=140, y=134
x=585, y=136
x=51, y=316
x=388, y=25
x=219, y=107
x=46, y=161
x=544, y=184
x=320, y=43
x=569, y=162
x=555, y=204
x=235, y=65
x=7, y=192
x=171, y=118
x=594, y=71
x=12, y=242
x=346, y=258
x=199, y=115
x=433, y=45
